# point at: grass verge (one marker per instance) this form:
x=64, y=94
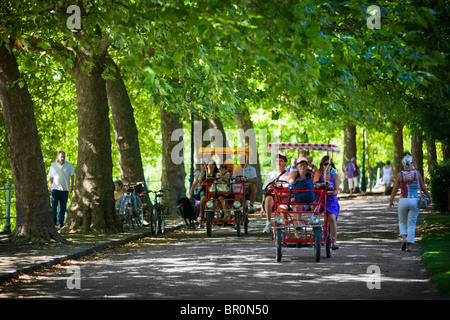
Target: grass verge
x=435, y=242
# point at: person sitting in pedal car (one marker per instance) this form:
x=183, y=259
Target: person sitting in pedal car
x=222, y=185
x=207, y=174
x=249, y=175
x=327, y=172
x=279, y=176
x=300, y=179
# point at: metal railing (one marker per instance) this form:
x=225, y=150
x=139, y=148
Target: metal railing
x=7, y=203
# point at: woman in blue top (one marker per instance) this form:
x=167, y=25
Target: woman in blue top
x=327, y=167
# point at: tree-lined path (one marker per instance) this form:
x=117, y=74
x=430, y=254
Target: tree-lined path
x=189, y=265
x=119, y=84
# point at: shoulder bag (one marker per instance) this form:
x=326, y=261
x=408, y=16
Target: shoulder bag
x=423, y=200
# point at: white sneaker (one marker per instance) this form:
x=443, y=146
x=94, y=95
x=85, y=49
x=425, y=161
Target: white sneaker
x=268, y=228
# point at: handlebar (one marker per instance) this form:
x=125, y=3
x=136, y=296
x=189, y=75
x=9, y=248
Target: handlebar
x=229, y=179
x=159, y=191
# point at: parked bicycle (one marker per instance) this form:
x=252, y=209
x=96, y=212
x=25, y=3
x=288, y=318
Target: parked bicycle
x=157, y=217
x=135, y=205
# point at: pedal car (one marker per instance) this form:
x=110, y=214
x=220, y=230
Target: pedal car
x=300, y=223
x=225, y=197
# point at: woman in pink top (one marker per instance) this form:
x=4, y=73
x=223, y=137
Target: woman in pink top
x=408, y=205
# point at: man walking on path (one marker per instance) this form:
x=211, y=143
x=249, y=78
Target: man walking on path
x=352, y=174
x=59, y=175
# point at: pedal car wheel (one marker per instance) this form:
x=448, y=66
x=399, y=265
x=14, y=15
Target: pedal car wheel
x=328, y=244
x=209, y=216
x=317, y=240
x=238, y=217
x=246, y=224
x=328, y=248
x=278, y=244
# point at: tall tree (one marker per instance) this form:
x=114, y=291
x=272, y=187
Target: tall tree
x=92, y=207
x=125, y=129
x=33, y=212
x=398, y=146
x=173, y=172
x=417, y=152
x=245, y=126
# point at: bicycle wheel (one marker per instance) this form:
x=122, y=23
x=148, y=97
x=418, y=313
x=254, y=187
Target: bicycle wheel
x=152, y=220
x=129, y=217
x=158, y=221
x=162, y=222
x=317, y=242
x=138, y=217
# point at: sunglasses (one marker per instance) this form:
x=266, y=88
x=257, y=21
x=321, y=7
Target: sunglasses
x=302, y=164
x=326, y=164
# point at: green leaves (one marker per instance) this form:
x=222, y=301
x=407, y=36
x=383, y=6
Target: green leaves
x=300, y=56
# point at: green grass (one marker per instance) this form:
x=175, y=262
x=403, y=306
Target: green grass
x=435, y=242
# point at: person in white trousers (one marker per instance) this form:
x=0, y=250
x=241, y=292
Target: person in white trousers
x=408, y=205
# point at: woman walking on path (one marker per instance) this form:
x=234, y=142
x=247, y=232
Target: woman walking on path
x=386, y=173
x=408, y=205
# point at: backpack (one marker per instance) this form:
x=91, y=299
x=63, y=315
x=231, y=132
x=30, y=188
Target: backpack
x=304, y=184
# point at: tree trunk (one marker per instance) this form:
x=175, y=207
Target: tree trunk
x=173, y=173
x=34, y=216
x=398, y=147
x=126, y=133
x=92, y=208
x=216, y=126
x=246, y=129
x=445, y=152
x=431, y=152
x=200, y=127
x=417, y=152
x=125, y=130
x=349, y=152
x=431, y=157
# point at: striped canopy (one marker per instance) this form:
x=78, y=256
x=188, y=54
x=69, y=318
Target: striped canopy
x=213, y=151
x=274, y=147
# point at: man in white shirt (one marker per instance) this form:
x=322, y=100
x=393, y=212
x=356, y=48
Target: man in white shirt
x=279, y=175
x=249, y=173
x=61, y=178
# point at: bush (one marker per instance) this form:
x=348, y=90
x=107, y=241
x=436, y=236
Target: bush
x=440, y=185
x=435, y=242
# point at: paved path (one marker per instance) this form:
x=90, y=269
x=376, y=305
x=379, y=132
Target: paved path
x=189, y=265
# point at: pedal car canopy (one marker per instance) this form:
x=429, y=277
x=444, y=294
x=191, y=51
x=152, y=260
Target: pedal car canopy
x=275, y=147
x=222, y=151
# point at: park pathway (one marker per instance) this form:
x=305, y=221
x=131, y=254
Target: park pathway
x=187, y=265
